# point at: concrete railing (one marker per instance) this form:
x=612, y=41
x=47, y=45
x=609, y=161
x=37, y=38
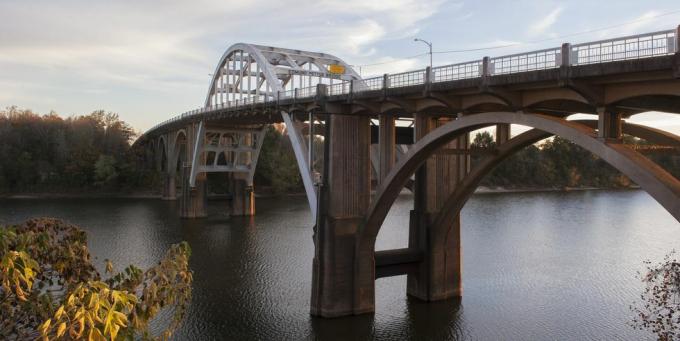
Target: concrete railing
x=646, y=45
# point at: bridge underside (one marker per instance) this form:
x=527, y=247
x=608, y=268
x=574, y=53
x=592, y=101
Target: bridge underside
x=379, y=139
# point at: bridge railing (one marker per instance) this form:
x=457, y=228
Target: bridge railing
x=623, y=48
x=409, y=78
x=306, y=92
x=632, y=47
x=339, y=88
x=368, y=84
x=523, y=62
x=458, y=71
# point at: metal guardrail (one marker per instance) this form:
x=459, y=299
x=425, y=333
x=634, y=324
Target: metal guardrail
x=523, y=62
x=339, y=88
x=632, y=47
x=402, y=79
x=456, y=72
x=369, y=84
x=306, y=92
x=646, y=45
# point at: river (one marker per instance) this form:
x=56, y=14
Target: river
x=536, y=266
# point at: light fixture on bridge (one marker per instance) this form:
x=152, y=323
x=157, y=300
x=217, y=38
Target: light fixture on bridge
x=429, y=45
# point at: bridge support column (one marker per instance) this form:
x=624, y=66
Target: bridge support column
x=438, y=275
x=502, y=133
x=609, y=124
x=243, y=197
x=193, y=202
x=387, y=147
x=169, y=188
x=343, y=276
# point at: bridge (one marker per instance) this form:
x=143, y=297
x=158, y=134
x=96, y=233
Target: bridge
x=411, y=127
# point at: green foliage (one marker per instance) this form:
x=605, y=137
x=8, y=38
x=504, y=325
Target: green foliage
x=659, y=309
x=48, y=153
x=277, y=166
x=557, y=163
x=50, y=289
x=105, y=170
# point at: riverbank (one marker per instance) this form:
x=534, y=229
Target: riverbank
x=151, y=195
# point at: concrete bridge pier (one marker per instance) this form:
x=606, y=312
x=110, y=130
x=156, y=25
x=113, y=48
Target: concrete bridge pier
x=438, y=274
x=193, y=202
x=168, y=187
x=243, y=196
x=343, y=270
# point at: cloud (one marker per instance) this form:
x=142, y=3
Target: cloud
x=543, y=25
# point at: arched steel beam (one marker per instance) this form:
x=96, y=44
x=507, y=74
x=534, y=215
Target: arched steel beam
x=661, y=185
x=275, y=68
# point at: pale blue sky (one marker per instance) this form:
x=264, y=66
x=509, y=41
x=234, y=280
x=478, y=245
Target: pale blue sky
x=149, y=60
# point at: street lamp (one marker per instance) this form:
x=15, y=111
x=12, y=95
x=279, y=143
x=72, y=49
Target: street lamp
x=428, y=45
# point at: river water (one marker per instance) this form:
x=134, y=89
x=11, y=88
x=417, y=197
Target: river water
x=536, y=266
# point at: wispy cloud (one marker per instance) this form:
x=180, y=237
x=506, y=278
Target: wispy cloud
x=543, y=25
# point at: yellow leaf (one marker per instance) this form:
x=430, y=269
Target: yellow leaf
x=61, y=329
x=59, y=312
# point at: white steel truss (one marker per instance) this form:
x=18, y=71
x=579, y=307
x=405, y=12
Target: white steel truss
x=249, y=73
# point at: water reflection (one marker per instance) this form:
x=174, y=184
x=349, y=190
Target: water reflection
x=535, y=266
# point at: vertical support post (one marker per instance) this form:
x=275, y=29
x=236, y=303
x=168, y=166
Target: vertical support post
x=609, y=125
x=439, y=273
x=565, y=58
x=677, y=40
x=343, y=276
x=486, y=67
x=310, y=142
x=193, y=202
x=502, y=133
x=169, y=189
x=386, y=145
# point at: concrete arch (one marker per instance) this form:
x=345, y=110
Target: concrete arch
x=535, y=97
x=162, y=150
x=177, y=148
x=477, y=101
x=431, y=103
x=661, y=185
x=618, y=92
x=466, y=188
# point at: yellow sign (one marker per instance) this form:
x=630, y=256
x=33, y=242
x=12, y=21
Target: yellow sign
x=336, y=69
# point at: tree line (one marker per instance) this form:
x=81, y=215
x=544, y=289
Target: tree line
x=559, y=163
x=48, y=153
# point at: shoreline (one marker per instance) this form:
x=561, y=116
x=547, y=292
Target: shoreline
x=479, y=190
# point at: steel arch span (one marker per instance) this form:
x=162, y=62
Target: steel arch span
x=249, y=73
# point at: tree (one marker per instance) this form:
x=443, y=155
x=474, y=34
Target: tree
x=659, y=311
x=105, y=170
x=51, y=290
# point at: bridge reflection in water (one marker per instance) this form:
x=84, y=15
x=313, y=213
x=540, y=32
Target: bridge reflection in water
x=254, y=86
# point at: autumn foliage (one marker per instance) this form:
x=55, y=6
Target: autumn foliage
x=51, y=290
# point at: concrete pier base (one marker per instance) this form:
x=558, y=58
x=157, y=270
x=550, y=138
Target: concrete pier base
x=243, y=199
x=193, y=202
x=343, y=271
x=438, y=275
x=168, y=189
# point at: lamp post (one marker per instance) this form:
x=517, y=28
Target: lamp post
x=429, y=44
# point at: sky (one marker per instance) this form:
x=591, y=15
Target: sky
x=149, y=60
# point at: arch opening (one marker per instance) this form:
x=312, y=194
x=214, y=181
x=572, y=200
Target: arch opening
x=652, y=178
